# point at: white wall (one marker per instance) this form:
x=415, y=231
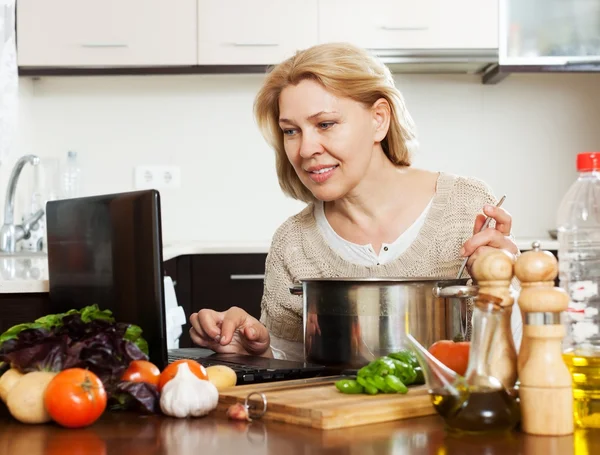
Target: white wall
x=521, y=136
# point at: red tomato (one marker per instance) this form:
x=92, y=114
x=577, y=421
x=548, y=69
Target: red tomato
x=142, y=371
x=454, y=355
x=171, y=370
x=75, y=398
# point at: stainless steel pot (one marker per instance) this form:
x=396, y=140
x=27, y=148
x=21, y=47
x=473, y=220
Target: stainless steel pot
x=350, y=321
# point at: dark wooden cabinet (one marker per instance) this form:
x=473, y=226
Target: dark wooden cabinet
x=220, y=281
x=217, y=282
x=19, y=308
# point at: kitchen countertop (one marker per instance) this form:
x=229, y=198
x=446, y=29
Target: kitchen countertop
x=174, y=249
x=30, y=275
x=129, y=433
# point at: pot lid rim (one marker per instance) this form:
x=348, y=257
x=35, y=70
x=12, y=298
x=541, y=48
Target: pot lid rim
x=384, y=280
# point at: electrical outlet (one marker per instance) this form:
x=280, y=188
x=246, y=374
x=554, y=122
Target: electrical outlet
x=157, y=177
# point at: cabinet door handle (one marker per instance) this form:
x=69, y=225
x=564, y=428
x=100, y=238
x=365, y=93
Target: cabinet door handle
x=247, y=277
x=103, y=45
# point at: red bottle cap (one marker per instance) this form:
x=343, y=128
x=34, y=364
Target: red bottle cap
x=588, y=162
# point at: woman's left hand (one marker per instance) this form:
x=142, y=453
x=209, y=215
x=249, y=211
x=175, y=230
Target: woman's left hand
x=497, y=237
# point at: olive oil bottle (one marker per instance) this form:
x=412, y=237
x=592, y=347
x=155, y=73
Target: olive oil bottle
x=585, y=371
x=475, y=410
x=477, y=402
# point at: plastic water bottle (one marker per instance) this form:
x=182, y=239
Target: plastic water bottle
x=579, y=273
x=71, y=177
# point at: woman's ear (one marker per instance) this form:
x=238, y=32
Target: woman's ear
x=381, y=116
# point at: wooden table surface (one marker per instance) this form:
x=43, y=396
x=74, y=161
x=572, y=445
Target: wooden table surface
x=132, y=434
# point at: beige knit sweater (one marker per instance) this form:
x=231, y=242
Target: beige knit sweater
x=298, y=250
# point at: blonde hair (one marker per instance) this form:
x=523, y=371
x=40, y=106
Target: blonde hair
x=346, y=71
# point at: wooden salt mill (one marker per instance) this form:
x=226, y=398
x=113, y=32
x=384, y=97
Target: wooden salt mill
x=493, y=272
x=545, y=391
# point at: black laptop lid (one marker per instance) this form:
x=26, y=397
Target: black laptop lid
x=107, y=250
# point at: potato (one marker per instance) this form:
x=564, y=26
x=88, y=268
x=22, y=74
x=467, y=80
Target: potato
x=7, y=381
x=221, y=376
x=25, y=401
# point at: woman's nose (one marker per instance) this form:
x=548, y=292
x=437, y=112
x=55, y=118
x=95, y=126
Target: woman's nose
x=310, y=146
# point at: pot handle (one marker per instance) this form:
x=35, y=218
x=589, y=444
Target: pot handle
x=296, y=289
x=459, y=292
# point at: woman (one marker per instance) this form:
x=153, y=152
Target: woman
x=343, y=140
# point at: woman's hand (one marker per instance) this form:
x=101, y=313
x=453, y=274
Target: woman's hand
x=497, y=237
x=231, y=331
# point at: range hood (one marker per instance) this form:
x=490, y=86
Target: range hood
x=441, y=61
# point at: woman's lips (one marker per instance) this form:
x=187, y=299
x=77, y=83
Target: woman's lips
x=322, y=174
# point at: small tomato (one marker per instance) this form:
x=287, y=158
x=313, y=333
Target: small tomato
x=142, y=371
x=75, y=398
x=454, y=355
x=171, y=370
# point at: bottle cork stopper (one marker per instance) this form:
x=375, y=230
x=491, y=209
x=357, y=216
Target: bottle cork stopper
x=536, y=267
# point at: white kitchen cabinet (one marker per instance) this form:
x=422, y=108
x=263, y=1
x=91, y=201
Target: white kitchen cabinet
x=257, y=32
x=106, y=33
x=409, y=24
x=549, y=32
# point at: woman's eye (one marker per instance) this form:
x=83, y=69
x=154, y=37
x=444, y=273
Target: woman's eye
x=326, y=125
x=289, y=132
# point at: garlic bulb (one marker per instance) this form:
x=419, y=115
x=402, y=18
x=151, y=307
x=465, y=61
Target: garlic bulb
x=186, y=395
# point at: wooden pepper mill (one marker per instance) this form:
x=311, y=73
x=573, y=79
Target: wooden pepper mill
x=493, y=272
x=545, y=392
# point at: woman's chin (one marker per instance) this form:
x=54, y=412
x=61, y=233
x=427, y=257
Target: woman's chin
x=326, y=194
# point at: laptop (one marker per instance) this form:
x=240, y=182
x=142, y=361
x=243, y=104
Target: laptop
x=107, y=250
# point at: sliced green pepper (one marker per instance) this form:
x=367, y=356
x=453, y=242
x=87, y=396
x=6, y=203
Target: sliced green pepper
x=367, y=370
x=420, y=379
x=405, y=372
x=378, y=382
x=349, y=386
x=395, y=384
x=405, y=356
x=384, y=366
x=367, y=386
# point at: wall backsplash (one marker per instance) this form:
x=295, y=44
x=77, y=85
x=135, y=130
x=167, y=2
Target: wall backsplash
x=520, y=136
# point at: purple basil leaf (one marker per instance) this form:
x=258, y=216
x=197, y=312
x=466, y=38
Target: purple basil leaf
x=132, y=351
x=139, y=396
x=47, y=354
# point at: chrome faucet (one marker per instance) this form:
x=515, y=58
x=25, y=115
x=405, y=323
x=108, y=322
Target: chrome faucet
x=11, y=233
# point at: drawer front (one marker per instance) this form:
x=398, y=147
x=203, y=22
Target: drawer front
x=258, y=32
x=92, y=33
x=406, y=24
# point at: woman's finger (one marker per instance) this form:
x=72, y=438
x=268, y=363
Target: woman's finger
x=233, y=319
x=501, y=216
x=207, y=323
x=489, y=237
x=479, y=222
x=199, y=339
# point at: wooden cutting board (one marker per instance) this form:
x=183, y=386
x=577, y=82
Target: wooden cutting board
x=317, y=403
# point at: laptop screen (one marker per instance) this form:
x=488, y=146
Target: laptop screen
x=107, y=250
